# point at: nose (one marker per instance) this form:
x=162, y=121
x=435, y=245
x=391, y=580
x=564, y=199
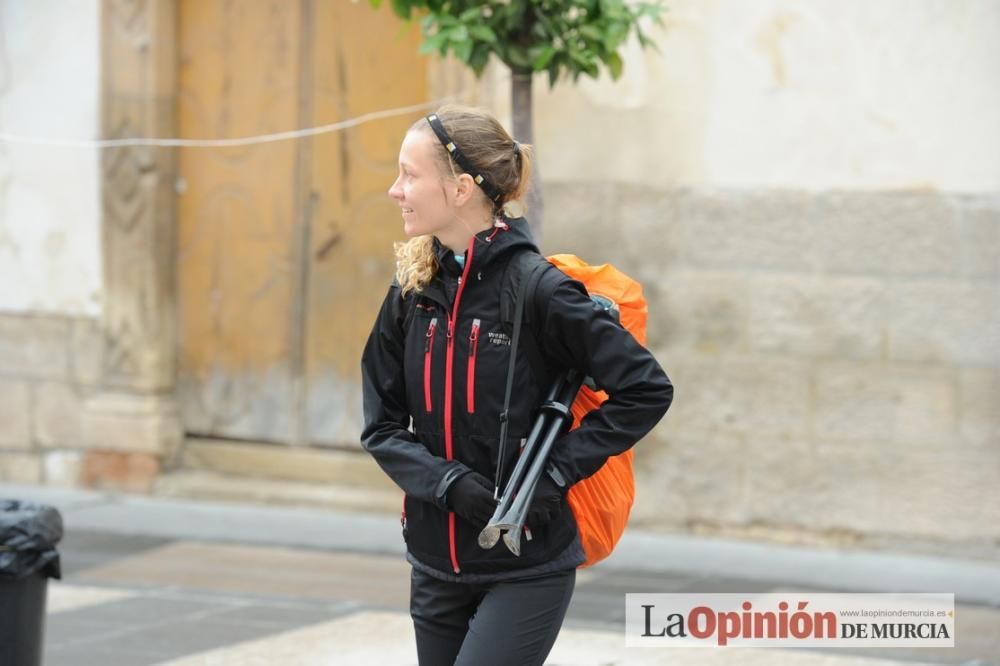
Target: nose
x=395, y=191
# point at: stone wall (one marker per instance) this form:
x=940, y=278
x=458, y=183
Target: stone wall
x=836, y=357
x=86, y=245
x=48, y=366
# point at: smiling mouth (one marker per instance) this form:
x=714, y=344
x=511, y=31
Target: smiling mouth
x=407, y=210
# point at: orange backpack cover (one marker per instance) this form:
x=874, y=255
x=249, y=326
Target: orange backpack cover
x=601, y=503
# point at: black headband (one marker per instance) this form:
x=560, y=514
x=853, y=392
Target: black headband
x=482, y=181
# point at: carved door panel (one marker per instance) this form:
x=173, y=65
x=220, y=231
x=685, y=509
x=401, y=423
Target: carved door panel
x=353, y=221
x=285, y=248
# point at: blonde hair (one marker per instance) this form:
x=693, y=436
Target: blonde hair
x=489, y=147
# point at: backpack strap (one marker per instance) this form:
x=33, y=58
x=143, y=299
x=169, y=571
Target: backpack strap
x=524, y=275
x=517, y=270
x=526, y=290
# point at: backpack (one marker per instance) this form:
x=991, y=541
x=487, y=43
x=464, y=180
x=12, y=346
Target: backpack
x=601, y=503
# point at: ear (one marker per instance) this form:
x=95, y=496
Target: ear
x=465, y=188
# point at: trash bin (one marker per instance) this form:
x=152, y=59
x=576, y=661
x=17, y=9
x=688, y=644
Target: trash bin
x=28, y=558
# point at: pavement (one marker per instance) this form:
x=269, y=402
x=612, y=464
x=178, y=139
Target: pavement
x=150, y=580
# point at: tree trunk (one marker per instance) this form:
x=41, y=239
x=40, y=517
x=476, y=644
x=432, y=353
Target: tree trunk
x=524, y=132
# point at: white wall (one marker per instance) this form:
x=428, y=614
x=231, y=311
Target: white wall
x=814, y=95
x=49, y=196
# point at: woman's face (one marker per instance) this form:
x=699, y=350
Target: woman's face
x=419, y=189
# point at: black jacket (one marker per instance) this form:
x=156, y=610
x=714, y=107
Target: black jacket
x=448, y=373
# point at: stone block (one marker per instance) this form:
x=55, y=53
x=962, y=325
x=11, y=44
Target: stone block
x=578, y=220
x=132, y=422
x=62, y=468
x=906, y=234
x=197, y=484
x=15, y=415
x=819, y=317
x=883, y=233
x=979, y=407
x=34, y=347
x=914, y=234
x=850, y=484
x=115, y=470
x=736, y=230
x=782, y=479
x=86, y=349
x=945, y=322
x=20, y=467
x=740, y=394
x=701, y=311
x=57, y=415
x=977, y=231
x=248, y=459
x=885, y=402
x=689, y=477
x=941, y=494
x=650, y=226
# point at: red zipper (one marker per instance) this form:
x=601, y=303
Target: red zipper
x=449, y=453
x=428, y=349
x=471, y=380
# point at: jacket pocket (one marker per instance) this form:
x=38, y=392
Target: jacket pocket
x=471, y=379
x=428, y=352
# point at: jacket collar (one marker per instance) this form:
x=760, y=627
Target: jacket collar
x=500, y=239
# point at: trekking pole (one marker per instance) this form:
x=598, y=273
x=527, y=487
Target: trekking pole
x=490, y=534
x=517, y=513
x=536, y=430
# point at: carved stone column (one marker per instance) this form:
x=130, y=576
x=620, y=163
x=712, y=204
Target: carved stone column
x=133, y=423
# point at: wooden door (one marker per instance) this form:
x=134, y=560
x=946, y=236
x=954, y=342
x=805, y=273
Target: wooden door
x=285, y=248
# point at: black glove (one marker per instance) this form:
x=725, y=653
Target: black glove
x=471, y=497
x=547, y=503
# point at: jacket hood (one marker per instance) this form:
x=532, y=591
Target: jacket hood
x=506, y=235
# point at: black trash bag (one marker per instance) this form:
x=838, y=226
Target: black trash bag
x=28, y=536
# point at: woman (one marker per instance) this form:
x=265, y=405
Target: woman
x=438, y=354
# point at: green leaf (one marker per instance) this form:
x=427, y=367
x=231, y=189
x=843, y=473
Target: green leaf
x=432, y=43
x=471, y=14
x=483, y=33
x=614, y=37
x=463, y=50
x=479, y=58
x=614, y=63
x=401, y=8
x=579, y=57
x=591, y=33
x=542, y=61
x=518, y=57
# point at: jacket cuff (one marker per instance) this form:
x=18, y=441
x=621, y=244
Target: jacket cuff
x=451, y=476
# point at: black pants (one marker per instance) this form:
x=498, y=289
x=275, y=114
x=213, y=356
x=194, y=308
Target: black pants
x=513, y=622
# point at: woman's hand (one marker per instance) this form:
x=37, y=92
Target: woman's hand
x=471, y=497
x=547, y=503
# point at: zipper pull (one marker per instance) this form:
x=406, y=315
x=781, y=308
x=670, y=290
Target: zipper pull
x=473, y=338
x=430, y=334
